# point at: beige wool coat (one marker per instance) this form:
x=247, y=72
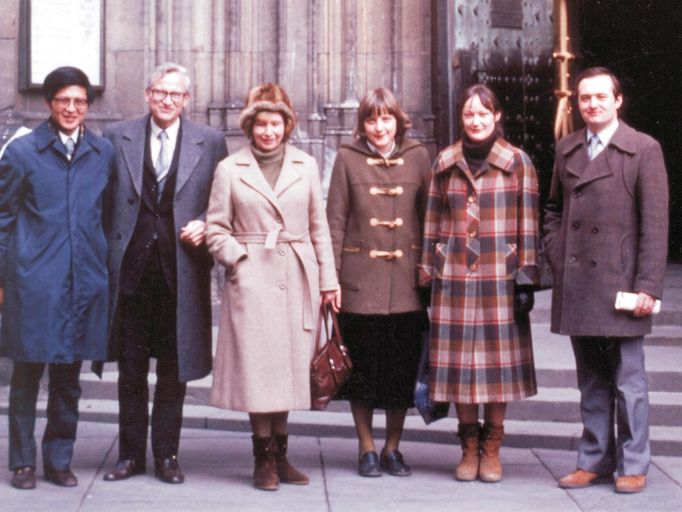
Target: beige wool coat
x=277, y=253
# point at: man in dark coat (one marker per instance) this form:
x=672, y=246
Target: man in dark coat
x=53, y=275
x=606, y=226
x=159, y=268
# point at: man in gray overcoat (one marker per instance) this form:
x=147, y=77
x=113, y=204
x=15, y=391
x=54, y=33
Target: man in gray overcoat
x=606, y=227
x=159, y=268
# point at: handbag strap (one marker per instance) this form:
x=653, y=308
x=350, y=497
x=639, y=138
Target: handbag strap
x=325, y=311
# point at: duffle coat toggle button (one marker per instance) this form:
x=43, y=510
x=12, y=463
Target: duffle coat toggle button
x=385, y=161
x=391, y=224
x=387, y=255
x=386, y=191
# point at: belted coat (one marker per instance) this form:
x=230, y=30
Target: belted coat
x=53, y=251
x=606, y=230
x=480, y=241
x=376, y=209
x=275, y=247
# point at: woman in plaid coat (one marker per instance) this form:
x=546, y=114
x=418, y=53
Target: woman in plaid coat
x=479, y=257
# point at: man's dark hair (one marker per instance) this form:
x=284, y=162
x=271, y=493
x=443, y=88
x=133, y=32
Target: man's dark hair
x=598, y=71
x=64, y=77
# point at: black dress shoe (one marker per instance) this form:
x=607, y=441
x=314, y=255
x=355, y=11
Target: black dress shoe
x=369, y=465
x=61, y=477
x=394, y=464
x=24, y=478
x=125, y=468
x=168, y=471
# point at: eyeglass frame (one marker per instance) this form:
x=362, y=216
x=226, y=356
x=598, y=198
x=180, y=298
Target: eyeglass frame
x=161, y=95
x=80, y=104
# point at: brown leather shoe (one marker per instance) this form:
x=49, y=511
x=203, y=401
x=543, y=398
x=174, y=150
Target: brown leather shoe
x=24, y=478
x=168, y=471
x=581, y=478
x=629, y=484
x=125, y=468
x=61, y=477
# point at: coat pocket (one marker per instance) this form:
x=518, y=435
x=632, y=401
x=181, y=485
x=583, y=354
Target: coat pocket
x=511, y=259
x=351, y=264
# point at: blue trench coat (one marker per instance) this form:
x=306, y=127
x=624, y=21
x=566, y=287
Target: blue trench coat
x=52, y=248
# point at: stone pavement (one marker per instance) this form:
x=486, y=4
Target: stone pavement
x=218, y=467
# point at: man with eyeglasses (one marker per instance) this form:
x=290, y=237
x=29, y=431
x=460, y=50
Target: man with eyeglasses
x=53, y=274
x=160, y=268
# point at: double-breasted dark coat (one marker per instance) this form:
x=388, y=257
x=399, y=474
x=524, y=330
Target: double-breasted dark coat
x=201, y=148
x=605, y=230
x=376, y=215
x=480, y=241
x=52, y=248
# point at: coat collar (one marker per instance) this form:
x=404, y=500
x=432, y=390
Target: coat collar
x=624, y=139
x=291, y=173
x=191, y=149
x=46, y=136
x=586, y=171
x=359, y=146
x=501, y=156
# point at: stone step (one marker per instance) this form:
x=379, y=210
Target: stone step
x=665, y=440
x=550, y=404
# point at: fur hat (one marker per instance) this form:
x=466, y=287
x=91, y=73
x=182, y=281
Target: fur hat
x=267, y=97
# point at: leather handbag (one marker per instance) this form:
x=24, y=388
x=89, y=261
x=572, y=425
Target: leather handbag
x=429, y=410
x=331, y=365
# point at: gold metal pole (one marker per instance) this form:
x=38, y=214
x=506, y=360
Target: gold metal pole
x=563, y=122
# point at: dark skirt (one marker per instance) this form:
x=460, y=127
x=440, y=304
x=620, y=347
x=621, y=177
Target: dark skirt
x=385, y=352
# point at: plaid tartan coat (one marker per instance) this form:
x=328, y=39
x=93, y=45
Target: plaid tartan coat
x=480, y=240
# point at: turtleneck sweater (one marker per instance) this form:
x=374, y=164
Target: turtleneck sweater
x=476, y=152
x=270, y=163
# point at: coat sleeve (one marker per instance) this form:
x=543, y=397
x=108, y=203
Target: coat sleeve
x=319, y=231
x=652, y=204
x=219, y=221
x=432, y=218
x=219, y=153
x=527, y=272
x=553, y=212
x=422, y=198
x=11, y=177
x=338, y=207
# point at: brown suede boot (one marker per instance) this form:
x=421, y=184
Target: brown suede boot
x=470, y=435
x=490, y=469
x=287, y=473
x=265, y=472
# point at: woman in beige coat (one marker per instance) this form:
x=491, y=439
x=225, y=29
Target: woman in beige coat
x=267, y=226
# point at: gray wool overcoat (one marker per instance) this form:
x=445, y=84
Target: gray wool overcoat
x=606, y=230
x=201, y=148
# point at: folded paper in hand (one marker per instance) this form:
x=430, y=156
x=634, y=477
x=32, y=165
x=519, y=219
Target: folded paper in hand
x=626, y=301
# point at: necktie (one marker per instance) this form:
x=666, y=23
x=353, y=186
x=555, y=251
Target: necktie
x=593, y=148
x=163, y=159
x=70, y=146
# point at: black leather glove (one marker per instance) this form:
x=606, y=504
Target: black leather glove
x=424, y=296
x=524, y=300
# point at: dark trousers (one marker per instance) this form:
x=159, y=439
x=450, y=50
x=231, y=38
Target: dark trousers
x=62, y=414
x=148, y=330
x=613, y=391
